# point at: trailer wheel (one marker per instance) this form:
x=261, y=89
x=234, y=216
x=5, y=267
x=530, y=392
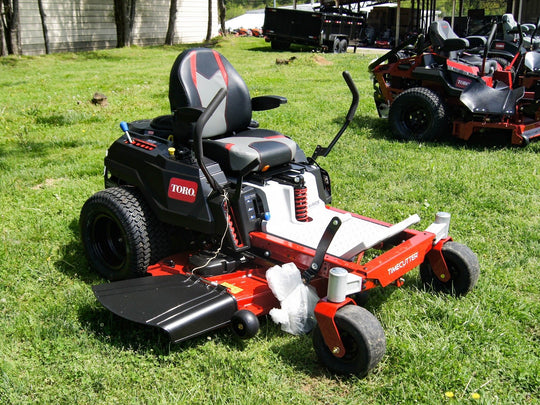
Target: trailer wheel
x=418, y=114
x=463, y=267
x=335, y=47
x=121, y=236
x=343, y=45
x=363, y=338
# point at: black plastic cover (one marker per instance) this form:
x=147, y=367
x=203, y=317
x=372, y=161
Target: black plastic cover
x=481, y=99
x=182, y=306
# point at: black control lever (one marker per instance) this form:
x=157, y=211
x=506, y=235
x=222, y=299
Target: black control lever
x=322, y=151
x=198, y=142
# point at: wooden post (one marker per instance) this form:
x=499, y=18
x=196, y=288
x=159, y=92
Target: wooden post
x=398, y=20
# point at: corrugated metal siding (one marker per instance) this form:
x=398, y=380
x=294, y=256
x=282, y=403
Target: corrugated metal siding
x=530, y=11
x=80, y=25
x=76, y=25
x=192, y=19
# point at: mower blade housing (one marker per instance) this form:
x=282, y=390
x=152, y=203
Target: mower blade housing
x=181, y=305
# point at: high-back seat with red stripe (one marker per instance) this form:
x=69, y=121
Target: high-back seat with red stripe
x=229, y=137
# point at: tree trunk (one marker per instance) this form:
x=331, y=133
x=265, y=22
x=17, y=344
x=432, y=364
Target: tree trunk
x=131, y=20
x=11, y=27
x=119, y=20
x=222, y=12
x=169, y=38
x=3, y=50
x=124, y=16
x=209, y=28
x=44, y=26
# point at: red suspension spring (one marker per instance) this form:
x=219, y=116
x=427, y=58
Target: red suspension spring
x=232, y=228
x=300, y=204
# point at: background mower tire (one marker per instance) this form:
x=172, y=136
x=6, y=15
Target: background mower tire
x=463, y=267
x=363, y=338
x=120, y=234
x=418, y=114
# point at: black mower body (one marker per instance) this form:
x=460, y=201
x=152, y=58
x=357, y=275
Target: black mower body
x=177, y=190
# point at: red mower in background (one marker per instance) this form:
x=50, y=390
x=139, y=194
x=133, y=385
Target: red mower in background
x=524, y=66
x=429, y=88
x=203, y=211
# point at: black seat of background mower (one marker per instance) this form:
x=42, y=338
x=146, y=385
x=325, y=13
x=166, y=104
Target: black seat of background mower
x=448, y=44
x=228, y=137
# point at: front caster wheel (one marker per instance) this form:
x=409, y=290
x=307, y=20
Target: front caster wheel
x=363, y=338
x=245, y=324
x=463, y=266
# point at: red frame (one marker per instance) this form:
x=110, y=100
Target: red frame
x=249, y=286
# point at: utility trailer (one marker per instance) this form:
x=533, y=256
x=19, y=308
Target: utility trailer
x=329, y=29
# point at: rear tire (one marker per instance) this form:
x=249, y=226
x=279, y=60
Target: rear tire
x=463, y=267
x=121, y=236
x=418, y=114
x=363, y=338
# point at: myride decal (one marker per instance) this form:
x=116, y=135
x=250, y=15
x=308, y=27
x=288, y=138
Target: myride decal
x=183, y=190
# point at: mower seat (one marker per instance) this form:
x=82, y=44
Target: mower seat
x=228, y=137
x=510, y=27
x=446, y=43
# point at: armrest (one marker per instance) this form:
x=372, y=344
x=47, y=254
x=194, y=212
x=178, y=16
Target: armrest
x=263, y=103
x=476, y=41
x=455, y=44
x=527, y=28
x=188, y=114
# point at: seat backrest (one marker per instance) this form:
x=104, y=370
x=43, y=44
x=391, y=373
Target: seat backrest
x=439, y=31
x=196, y=76
x=445, y=41
x=509, y=23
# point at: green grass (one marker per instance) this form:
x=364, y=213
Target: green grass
x=59, y=345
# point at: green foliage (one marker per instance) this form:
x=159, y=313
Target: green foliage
x=236, y=8
x=60, y=346
x=490, y=7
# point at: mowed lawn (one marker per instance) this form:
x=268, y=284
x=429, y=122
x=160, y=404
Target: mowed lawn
x=59, y=345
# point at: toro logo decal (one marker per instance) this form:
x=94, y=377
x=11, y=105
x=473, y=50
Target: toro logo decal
x=499, y=45
x=462, y=82
x=183, y=190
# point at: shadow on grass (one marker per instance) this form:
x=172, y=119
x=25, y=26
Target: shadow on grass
x=121, y=333
x=379, y=129
x=25, y=148
x=73, y=262
x=294, y=48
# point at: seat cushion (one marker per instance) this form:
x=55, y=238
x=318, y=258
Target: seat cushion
x=235, y=153
x=490, y=65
